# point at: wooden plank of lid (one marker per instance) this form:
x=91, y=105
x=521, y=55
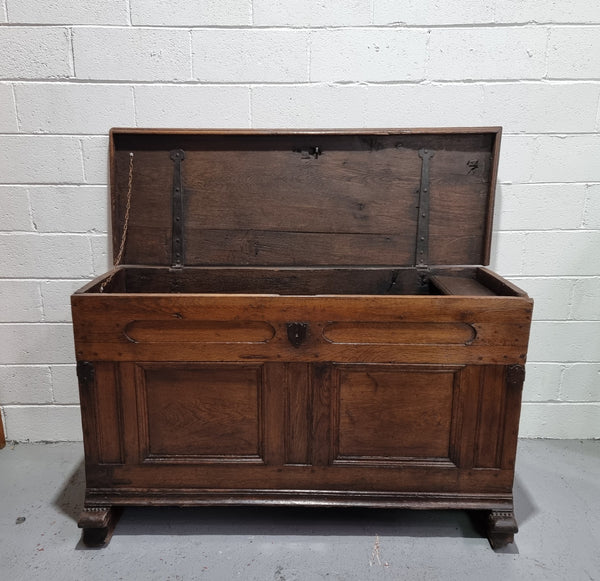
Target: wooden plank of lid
x=305, y=198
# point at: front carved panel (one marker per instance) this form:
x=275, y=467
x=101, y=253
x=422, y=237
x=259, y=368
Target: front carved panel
x=392, y=413
x=399, y=333
x=204, y=412
x=180, y=330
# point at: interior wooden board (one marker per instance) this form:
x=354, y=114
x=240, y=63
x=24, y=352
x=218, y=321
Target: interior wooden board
x=300, y=198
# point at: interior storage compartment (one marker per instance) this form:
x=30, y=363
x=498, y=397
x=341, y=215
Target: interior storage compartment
x=306, y=281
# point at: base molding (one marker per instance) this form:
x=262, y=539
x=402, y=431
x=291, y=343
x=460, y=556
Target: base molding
x=106, y=497
x=493, y=515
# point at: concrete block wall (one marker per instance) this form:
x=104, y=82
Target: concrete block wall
x=71, y=69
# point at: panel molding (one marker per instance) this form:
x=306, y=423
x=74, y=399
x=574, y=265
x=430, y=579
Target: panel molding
x=148, y=456
x=339, y=458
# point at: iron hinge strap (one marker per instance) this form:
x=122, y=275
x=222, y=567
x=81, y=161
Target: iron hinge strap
x=422, y=246
x=177, y=246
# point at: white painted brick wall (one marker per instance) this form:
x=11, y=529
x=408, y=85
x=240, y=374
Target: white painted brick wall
x=365, y=54
x=35, y=52
x=48, y=205
x=35, y=423
x=53, y=292
x=565, y=341
x=36, y=159
x=404, y=105
x=69, y=108
x=247, y=55
x=543, y=382
x=532, y=107
x=20, y=301
x=517, y=155
x=585, y=304
x=68, y=12
x=553, y=296
x=65, y=389
x=95, y=159
x=540, y=206
x=25, y=384
x=27, y=343
x=557, y=156
x=581, y=382
x=8, y=112
x=16, y=211
x=573, y=53
x=101, y=254
x=70, y=70
x=312, y=13
x=546, y=11
x=559, y=253
x=487, y=53
x=328, y=105
x=191, y=12
x=45, y=255
x=560, y=421
x=125, y=54
x=507, y=253
x=192, y=106
x=433, y=12
x=591, y=211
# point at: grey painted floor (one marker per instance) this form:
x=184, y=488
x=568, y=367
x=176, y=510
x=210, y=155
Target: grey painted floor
x=557, y=496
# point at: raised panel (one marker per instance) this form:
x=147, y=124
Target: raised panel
x=399, y=333
x=393, y=413
x=179, y=330
x=204, y=412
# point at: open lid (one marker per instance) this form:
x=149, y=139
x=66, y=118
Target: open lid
x=304, y=198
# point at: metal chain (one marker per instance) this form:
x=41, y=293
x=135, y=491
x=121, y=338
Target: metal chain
x=125, y=226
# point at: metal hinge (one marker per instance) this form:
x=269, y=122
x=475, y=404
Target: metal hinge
x=177, y=246
x=423, y=275
x=422, y=245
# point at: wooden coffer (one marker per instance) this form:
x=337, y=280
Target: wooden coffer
x=301, y=317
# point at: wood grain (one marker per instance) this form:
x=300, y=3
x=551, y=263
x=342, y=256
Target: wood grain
x=298, y=413
x=365, y=333
x=204, y=411
x=355, y=204
x=256, y=280
x=180, y=331
x=406, y=389
x=387, y=413
x=501, y=325
x=454, y=285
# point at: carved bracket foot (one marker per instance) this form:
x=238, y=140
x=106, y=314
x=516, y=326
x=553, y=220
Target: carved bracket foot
x=98, y=524
x=501, y=528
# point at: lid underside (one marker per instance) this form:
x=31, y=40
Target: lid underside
x=359, y=198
